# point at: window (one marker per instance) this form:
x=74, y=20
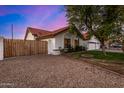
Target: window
x=67, y=43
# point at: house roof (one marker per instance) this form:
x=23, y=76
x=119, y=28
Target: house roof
x=85, y=36
x=44, y=34
x=36, y=32
x=54, y=33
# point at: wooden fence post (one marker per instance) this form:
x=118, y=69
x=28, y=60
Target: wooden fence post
x=1, y=48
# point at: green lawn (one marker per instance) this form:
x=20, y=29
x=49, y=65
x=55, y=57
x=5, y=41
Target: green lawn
x=99, y=55
x=112, y=61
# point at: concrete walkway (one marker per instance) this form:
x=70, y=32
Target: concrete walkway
x=113, y=50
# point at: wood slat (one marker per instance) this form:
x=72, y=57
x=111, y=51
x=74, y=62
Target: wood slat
x=16, y=47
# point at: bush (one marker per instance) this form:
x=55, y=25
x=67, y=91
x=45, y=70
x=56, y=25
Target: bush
x=70, y=49
x=84, y=48
x=76, y=49
x=80, y=48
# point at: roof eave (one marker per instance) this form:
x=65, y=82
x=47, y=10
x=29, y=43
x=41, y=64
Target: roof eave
x=27, y=31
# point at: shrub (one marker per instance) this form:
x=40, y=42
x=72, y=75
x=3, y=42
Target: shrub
x=84, y=48
x=70, y=49
x=80, y=48
x=76, y=49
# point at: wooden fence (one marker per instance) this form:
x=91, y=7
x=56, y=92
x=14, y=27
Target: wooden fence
x=14, y=47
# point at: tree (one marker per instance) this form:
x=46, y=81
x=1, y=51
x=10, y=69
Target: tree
x=100, y=21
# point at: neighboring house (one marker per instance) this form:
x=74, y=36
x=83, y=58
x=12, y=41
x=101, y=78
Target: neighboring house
x=60, y=38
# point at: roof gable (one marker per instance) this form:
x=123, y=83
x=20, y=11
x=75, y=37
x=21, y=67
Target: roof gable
x=36, y=32
x=54, y=33
x=43, y=34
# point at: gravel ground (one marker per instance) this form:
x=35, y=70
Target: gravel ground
x=55, y=71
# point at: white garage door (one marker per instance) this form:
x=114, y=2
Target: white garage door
x=93, y=45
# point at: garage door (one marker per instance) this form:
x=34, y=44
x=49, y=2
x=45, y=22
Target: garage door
x=93, y=45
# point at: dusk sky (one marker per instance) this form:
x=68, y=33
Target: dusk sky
x=44, y=17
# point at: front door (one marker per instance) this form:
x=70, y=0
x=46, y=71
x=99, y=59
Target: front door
x=76, y=43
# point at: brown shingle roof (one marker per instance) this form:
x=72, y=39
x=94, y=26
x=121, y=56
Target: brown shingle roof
x=44, y=34
x=54, y=33
x=85, y=36
x=60, y=30
x=36, y=32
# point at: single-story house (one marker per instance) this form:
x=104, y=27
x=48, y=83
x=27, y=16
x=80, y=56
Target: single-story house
x=60, y=38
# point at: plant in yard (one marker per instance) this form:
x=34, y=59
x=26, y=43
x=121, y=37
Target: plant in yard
x=100, y=21
x=70, y=49
x=122, y=41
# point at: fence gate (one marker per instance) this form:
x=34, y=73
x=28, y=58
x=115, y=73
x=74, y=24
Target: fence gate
x=14, y=47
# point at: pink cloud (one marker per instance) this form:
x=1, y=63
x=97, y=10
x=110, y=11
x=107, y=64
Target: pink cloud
x=42, y=17
x=60, y=22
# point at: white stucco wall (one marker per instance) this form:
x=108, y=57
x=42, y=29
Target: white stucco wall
x=30, y=36
x=59, y=41
x=83, y=43
x=51, y=45
x=1, y=48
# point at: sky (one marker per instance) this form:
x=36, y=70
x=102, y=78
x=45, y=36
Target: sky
x=47, y=17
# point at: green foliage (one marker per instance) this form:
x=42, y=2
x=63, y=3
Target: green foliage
x=109, y=56
x=76, y=49
x=100, y=55
x=80, y=48
x=100, y=21
x=76, y=55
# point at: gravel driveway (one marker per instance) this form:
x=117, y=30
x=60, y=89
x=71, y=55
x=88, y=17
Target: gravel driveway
x=55, y=71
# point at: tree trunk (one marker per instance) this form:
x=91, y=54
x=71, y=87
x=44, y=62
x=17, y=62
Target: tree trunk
x=123, y=45
x=103, y=49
